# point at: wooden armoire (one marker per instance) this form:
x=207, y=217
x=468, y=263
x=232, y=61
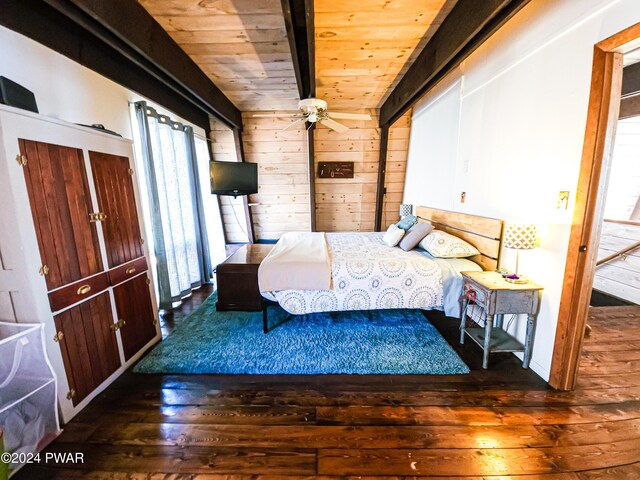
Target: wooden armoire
x=72, y=250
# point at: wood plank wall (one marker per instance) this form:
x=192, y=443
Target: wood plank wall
x=224, y=150
x=349, y=204
x=283, y=175
x=619, y=277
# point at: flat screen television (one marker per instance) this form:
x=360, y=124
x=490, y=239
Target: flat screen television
x=233, y=178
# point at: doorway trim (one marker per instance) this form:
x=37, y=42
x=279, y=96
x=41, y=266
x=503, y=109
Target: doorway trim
x=602, y=118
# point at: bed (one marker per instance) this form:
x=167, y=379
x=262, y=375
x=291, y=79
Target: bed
x=366, y=274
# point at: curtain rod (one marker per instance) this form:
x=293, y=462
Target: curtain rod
x=202, y=137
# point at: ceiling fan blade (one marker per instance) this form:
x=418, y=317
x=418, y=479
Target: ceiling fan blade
x=290, y=126
x=338, y=127
x=276, y=115
x=350, y=116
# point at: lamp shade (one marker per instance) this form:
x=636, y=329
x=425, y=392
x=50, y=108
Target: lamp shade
x=406, y=209
x=520, y=236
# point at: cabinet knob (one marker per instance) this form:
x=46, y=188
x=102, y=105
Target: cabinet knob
x=58, y=337
x=84, y=289
x=131, y=270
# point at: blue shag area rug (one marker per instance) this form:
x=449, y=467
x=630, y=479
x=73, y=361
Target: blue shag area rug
x=362, y=342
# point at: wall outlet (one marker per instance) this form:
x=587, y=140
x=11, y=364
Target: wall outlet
x=563, y=200
x=463, y=197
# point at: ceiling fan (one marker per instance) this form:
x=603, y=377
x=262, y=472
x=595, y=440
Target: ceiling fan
x=314, y=110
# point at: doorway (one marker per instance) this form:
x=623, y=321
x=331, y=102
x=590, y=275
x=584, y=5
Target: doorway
x=582, y=255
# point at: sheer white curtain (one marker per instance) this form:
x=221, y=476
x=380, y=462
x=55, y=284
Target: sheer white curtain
x=179, y=231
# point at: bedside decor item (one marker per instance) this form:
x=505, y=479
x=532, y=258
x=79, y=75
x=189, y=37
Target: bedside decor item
x=519, y=236
x=393, y=236
x=407, y=222
x=414, y=235
x=405, y=210
x=444, y=245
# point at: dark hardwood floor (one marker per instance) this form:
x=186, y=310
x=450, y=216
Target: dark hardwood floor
x=503, y=423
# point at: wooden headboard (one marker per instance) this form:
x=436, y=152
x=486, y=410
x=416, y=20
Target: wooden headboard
x=483, y=233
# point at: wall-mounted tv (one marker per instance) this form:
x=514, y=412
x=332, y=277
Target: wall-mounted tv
x=233, y=178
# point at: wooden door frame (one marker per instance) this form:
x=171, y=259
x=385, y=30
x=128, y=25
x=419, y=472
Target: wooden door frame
x=602, y=118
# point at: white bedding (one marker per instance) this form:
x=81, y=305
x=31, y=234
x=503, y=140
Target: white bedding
x=299, y=259
x=368, y=275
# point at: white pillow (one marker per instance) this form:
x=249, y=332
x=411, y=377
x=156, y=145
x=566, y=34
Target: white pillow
x=443, y=245
x=393, y=236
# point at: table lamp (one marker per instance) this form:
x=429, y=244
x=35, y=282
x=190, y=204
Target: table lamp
x=519, y=236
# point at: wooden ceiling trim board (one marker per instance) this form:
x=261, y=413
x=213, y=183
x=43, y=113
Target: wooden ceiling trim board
x=468, y=25
x=131, y=30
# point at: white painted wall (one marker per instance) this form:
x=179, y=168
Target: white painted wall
x=520, y=120
x=65, y=89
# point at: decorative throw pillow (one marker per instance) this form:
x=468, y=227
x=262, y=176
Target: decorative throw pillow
x=443, y=245
x=407, y=222
x=414, y=235
x=393, y=236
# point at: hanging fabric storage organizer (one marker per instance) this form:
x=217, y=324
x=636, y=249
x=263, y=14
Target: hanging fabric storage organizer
x=28, y=390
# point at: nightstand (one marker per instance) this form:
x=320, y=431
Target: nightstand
x=237, y=279
x=498, y=297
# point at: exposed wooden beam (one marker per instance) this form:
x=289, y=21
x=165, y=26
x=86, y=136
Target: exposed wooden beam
x=631, y=80
x=42, y=23
x=237, y=138
x=298, y=20
x=382, y=170
x=312, y=174
x=131, y=31
x=467, y=26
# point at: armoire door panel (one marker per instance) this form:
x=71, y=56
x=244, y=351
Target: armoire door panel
x=114, y=187
x=60, y=204
x=88, y=345
x=133, y=304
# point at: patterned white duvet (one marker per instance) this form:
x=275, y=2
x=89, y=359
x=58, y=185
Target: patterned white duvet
x=368, y=275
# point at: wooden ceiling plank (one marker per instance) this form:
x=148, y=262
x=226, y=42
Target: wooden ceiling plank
x=223, y=37
x=217, y=7
x=194, y=23
x=372, y=41
x=468, y=25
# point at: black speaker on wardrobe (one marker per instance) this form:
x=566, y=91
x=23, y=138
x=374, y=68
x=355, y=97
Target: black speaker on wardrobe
x=15, y=95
